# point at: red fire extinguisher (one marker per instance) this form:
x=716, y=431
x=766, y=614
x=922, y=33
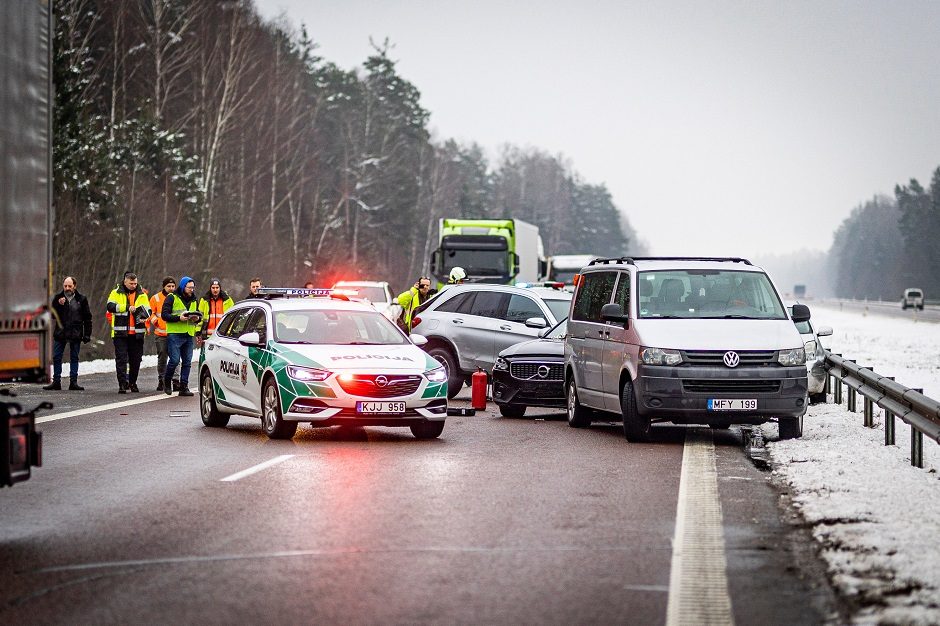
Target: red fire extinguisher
x=478, y=390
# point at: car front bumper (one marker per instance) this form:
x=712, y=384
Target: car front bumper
x=680, y=394
x=533, y=392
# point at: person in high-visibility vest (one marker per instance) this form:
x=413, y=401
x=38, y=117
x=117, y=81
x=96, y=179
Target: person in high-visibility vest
x=411, y=300
x=213, y=306
x=182, y=323
x=158, y=326
x=128, y=306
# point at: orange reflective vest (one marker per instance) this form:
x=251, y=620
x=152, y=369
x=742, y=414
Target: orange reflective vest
x=156, y=320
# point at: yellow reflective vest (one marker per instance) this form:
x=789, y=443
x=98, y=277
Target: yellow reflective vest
x=123, y=322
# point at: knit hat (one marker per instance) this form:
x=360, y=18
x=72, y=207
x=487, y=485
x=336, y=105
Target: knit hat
x=185, y=280
x=167, y=280
x=215, y=281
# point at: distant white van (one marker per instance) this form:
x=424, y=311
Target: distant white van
x=683, y=340
x=913, y=299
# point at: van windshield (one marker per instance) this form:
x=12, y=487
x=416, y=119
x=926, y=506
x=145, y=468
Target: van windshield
x=708, y=294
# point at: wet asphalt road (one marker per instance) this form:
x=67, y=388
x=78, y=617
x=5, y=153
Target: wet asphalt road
x=499, y=521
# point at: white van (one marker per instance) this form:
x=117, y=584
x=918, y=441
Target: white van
x=683, y=340
x=913, y=299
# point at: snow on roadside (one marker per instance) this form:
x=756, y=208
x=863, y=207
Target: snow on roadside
x=876, y=517
x=99, y=366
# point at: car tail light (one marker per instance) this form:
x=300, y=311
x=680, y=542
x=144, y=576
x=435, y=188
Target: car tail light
x=415, y=321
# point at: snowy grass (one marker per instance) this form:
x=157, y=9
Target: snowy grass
x=876, y=517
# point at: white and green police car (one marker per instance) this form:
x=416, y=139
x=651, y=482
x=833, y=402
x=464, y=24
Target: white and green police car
x=315, y=355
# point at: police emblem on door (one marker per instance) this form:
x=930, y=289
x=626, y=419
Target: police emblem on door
x=245, y=372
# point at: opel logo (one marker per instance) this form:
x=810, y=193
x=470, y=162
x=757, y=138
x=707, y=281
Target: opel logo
x=381, y=381
x=543, y=371
x=732, y=359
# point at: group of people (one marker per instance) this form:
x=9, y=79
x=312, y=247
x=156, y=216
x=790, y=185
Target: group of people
x=177, y=318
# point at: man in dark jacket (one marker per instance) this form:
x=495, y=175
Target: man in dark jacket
x=72, y=327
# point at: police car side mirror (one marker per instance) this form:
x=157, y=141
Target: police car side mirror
x=800, y=313
x=250, y=339
x=536, y=322
x=418, y=340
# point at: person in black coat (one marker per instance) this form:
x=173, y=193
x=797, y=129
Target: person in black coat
x=73, y=327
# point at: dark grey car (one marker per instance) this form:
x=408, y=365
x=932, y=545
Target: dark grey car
x=468, y=325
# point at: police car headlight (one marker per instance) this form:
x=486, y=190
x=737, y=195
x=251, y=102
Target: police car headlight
x=796, y=356
x=307, y=374
x=660, y=356
x=501, y=364
x=437, y=375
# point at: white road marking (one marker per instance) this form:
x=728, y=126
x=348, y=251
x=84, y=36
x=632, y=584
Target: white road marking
x=102, y=407
x=698, y=583
x=257, y=468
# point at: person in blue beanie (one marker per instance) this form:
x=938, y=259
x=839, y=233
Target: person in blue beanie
x=183, y=321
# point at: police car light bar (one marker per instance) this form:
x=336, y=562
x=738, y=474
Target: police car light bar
x=296, y=292
x=550, y=284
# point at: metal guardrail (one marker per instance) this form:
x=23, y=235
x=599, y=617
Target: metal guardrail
x=921, y=413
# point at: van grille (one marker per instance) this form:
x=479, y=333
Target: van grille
x=730, y=386
x=716, y=357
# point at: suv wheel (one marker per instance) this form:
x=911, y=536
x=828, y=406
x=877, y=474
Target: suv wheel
x=512, y=410
x=211, y=415
x=636, y=428
x=454, y=379
x=790, y=427
x=274, y=425
x=578, y=416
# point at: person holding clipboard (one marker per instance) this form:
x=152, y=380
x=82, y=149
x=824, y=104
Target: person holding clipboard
x=183, y=321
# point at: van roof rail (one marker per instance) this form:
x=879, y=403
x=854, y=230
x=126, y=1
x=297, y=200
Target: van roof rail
x=626, y=260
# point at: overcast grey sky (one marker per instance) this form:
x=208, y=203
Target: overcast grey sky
x=721, y=128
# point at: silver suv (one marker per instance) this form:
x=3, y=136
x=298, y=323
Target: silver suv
x=684, y=340
x=468, y=325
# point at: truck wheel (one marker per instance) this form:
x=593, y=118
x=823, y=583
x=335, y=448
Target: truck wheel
x=790, y=427
x=636, y=428
x=512, y=410
x=211, y=415
x=454, y=378
x=578, y=416
x=427, y=430
x=274, y=425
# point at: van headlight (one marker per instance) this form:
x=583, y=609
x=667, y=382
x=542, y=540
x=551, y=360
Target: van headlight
x=810, y=347
x=437, y=375
x=796, y=356
x=501, y=364
x=660, y=356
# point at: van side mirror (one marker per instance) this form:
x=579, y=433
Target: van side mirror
x=800, y=313
x=614, y=313
x=824, y=331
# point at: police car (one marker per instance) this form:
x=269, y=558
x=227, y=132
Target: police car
x=318, y=356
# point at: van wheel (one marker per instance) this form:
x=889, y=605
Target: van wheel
x=636, y=428
x=578, y=416
x=211, y=415
x=790, y=427
x=817, y=398
x=454, y=378
x=512, y=410
x=274, y=425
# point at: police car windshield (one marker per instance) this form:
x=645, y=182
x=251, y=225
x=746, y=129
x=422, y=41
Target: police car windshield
x=334, y=327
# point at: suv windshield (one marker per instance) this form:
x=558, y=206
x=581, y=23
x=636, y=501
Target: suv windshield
x=336, y=328
x=708, y=294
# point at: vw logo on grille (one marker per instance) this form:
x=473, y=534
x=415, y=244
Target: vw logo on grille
x=542, y=371
x=731, y=359
x=381, y=381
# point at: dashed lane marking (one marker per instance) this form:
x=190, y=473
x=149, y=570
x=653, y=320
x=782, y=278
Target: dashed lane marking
x=101, y=407
x=257, y=468
x=698, y=583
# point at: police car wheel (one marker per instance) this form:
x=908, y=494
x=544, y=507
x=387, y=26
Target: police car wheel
x=211, y=415
x=427, y=430
x=454, y=378
x=275, y=427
